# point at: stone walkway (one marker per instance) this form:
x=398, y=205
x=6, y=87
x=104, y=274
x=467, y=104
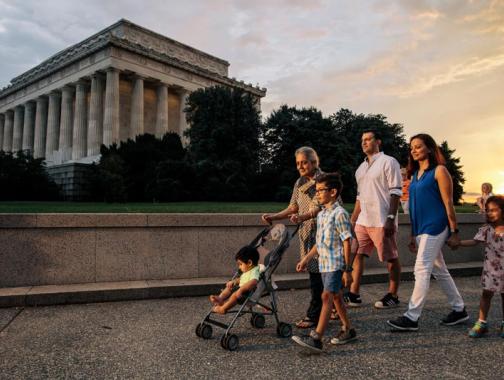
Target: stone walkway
x=155, y=339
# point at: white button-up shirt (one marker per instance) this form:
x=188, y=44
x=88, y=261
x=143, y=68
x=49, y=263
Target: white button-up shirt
x=376, y=182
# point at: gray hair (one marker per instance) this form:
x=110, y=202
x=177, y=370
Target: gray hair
x=309, y=153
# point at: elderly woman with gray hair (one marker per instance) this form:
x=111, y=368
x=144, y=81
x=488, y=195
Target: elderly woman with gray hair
x=303, y=208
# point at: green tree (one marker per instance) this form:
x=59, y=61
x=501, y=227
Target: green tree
x=136, y=170
x=455, y=169
x=24, y=178
x=224, y=142
x=349, y=128
x=288, y=129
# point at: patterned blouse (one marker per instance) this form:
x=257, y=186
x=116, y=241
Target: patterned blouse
x=303, y=196
x=492, y=277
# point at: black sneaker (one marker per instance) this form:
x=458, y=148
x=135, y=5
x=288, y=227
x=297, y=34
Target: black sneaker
x=352, y=299
x=403, y=324
x=387, y=302
x=455, y=317
x=314, y=345
x=344, y=336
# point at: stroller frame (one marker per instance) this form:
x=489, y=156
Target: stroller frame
x=264, y=288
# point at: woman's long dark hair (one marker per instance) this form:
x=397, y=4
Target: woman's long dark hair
x=435, y=156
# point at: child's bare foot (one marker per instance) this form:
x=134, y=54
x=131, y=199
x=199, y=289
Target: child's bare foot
x=219, y=310
x=216, y=300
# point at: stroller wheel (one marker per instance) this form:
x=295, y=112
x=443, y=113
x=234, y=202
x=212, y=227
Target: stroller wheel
x=232, y=342
x=198, y=330
x=257, y=320
x=206, y=331
x=284, y=330
x=223, y=342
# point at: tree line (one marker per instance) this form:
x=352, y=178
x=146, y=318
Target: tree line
x=235, y=156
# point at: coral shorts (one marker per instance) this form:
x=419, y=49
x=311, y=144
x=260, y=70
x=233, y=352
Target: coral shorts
x=370, y=238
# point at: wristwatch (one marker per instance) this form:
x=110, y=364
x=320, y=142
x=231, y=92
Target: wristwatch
x=347, y=268
x=454, y=231
x=391, y=216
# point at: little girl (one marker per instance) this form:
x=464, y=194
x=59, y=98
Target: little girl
x=492, y=278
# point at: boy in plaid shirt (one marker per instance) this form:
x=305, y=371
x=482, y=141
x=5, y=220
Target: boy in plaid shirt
x=334, y=234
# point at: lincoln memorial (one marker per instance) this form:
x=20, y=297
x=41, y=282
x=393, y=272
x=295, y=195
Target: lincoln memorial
x=119, y=83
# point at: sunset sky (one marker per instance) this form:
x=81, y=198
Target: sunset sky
x=433, y=66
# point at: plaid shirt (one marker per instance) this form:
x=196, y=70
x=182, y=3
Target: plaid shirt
x=333, y=227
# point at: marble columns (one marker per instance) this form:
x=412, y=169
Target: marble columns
x=29, y=126
x=79, y=140
x=8, y=131
x=137, y=107
x=40, y=128
x=95, y=127
x=66, y=123
x=111, y=111
x=17, y=136
x=162, y=110
x=53, y=123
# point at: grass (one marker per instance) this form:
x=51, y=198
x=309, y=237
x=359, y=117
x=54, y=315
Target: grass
x=174, y=207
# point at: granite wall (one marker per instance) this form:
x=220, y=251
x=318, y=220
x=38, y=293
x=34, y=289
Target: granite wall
x=52, y=249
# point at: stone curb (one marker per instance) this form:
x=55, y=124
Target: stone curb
x=140, y=290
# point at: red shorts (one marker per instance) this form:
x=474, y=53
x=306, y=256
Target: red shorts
x=370, y=238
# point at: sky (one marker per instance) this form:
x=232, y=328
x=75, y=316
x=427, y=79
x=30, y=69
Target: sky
x=435, y=67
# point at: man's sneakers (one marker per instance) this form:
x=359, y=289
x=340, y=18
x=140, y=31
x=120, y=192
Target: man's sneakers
x=311, y=342
x=403, y=324
x=344, y=336
x=455, y=317
x=387, y=302
x=352, y=299
x=478, y=330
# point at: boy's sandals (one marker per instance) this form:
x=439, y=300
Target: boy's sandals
x=305, y=323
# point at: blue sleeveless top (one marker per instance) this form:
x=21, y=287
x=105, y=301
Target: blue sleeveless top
x=427, y=210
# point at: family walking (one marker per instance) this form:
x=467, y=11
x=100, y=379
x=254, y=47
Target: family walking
x=334, y=245
x=327, y=233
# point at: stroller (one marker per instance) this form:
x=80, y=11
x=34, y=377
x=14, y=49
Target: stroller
x=279, y=237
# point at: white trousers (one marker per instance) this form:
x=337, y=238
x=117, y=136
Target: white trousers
x=429, y=261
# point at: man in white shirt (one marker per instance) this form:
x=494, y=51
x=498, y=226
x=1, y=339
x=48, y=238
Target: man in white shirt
x=374, y=218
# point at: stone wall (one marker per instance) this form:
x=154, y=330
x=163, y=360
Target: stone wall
x=45, y=249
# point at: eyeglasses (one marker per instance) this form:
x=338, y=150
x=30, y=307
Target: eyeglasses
x=321, y=190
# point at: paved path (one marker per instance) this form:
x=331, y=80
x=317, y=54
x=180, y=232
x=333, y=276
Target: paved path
x=155, y=339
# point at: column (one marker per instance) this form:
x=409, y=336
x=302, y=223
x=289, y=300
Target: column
x=95, y=128
x=53, y=123
x=66, y=123
x=79, y=140
x=162, y=110
x=17, y=136
x=29, y=126
x=2, y=124
x=137, y=107
x=40, y=128
x=111, y=111
x=183, y=125
x=8, y=131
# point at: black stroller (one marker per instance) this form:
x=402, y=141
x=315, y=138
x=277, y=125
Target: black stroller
x=279, y=237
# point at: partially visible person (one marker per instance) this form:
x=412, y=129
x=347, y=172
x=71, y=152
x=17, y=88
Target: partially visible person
x=334, y=234
x=375, y=218
x=433, y=223
x=247, y=260
x=405, y=190
x=492, y=278
x=303, y=208
x=486, y=192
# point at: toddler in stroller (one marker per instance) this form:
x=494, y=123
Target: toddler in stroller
x=247, y=290
x=247, y=260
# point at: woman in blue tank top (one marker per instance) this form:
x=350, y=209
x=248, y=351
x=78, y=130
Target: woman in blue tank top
x=433, y=223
